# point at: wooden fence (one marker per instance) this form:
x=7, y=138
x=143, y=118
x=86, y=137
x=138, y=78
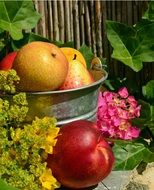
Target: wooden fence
x=84, y=22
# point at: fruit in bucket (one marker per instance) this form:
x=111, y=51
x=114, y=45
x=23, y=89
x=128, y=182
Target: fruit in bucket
x=41, y=66
x=73, y=54
x=81, y=157
x=7, y=61
x=77, y=76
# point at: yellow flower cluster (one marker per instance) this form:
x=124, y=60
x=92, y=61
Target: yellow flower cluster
x=24, y=147
x=29, y=147
x=48, y=181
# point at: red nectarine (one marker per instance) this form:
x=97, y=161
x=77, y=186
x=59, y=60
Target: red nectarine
x=81, y=157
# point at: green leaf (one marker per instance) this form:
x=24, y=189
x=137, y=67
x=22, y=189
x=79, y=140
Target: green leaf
x=1, y=45
x=87, y=53
x=149, y=14
x=148, y=90
x=124, y=43
x=27, y=38
x=146, y=114
x=132, y=45
x=16, y=16
x=145, y=109
x=4, y=186
x=151, y=122
x=146, y=119
x=152, y=112
x=30, y=37
x=130, y=154
x=62, y=44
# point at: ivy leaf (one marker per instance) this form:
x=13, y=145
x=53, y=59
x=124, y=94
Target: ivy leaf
x=1, y=45
x=4, y=186
x=148, y=90
x=150, y=124
x=16, y=16
x=62, y=44
x=145, y=109
x=130, y=154
x=146, y=119
x=30, y=37
x=27, y=38
x=132, y=45
x=87, y=53
x=149, y=14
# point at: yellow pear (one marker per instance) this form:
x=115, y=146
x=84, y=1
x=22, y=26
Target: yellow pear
x=41, y=66
x=73, y=54
x=77, y=76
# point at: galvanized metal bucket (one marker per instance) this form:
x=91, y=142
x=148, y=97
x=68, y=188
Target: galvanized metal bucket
x=67, y=105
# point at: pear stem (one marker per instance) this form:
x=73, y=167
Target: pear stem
x=74, y=56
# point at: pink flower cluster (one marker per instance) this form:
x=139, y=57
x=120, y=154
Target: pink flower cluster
x=115, y=111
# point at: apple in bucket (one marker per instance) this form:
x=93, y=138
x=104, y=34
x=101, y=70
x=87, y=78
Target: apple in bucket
x=7, y=62
x=81, y=157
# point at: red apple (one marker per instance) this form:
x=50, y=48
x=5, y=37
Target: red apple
x=7, y=62
x=81, y=157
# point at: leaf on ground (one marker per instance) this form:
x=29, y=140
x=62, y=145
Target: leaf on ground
x=130, y=154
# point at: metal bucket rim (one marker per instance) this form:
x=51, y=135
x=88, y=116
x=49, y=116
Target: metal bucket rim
x=71, y=90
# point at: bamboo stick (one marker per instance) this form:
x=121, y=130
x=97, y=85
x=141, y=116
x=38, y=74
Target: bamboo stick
x=36, y=7
x=82, y=24
x=110, y=9
x=61, y=20
x=87, y=25
x=47, y=18
x=123, y=12
x=135, y=12
x=118, y=11
x=55, y=21
x=41, y=25
x=71, y=21
x=67, y=20
x=98, y=28
x=104, y=34
x=129, y=12
x=93, y=28
x=76, y=24
x=50, y=20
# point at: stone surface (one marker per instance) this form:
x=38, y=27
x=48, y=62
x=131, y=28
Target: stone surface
x=115, y=181
x=142, y=181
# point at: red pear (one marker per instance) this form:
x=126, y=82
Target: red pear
x=77, y=76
